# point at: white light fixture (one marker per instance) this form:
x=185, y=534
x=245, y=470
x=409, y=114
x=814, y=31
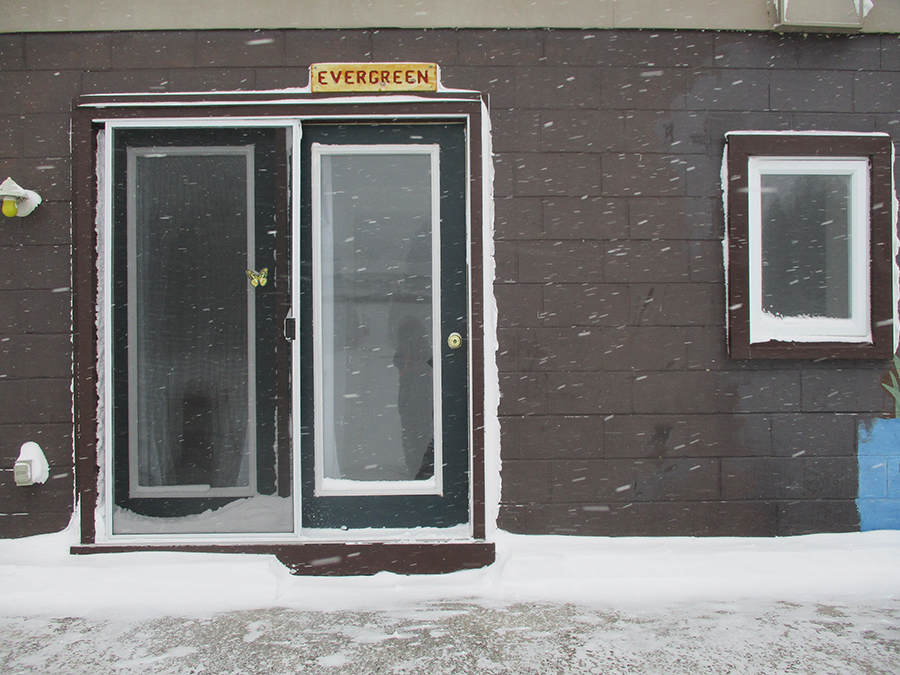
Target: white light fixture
x=17, y=201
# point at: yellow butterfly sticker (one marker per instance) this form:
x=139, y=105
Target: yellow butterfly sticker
x=258, y=278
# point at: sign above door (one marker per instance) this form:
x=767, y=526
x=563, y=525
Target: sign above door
x=373, y=77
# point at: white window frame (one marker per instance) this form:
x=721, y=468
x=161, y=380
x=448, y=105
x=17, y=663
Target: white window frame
x=136, y=488
x=324, y=485
x=764, y=326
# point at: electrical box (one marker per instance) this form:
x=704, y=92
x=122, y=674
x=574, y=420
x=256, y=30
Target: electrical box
x=22, y=472
x=31, y=466
x=820, y=16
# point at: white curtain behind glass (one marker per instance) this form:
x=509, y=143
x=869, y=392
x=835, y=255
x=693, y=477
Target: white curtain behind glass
x=188, y=321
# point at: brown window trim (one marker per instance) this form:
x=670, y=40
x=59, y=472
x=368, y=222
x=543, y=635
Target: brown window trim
x=300, y=557
x=878, y=149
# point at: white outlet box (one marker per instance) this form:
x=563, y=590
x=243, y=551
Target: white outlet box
x=31, y=466
x=22, y=472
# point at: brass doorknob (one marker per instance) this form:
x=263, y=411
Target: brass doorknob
x=454, y=341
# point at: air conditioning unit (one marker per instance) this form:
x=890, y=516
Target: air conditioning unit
x=819, y=16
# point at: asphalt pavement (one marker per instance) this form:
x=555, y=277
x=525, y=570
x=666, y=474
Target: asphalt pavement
x=468, y=637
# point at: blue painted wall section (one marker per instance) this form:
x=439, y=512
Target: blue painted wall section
x=878, y=450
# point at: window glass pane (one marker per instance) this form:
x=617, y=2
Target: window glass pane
x=189, y=320
x=806, y=245
x=377, y=297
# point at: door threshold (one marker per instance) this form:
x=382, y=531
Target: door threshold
x=339, y=559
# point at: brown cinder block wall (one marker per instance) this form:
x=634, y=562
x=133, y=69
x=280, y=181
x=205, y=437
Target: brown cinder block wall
x=621, y=413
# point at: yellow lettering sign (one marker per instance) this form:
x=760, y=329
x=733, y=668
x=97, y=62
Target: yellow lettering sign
x=328, y=77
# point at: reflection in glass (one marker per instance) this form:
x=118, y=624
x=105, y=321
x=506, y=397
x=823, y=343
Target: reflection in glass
x=806, y=250
x=377, y=366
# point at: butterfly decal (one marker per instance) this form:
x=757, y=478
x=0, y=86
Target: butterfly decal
x=258, y=278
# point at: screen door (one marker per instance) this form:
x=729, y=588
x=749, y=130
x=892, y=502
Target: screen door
x=196, y=295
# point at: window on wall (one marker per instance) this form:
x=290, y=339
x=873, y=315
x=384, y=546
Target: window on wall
x=810, y=246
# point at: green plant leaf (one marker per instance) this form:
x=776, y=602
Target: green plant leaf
x=894, y=391
x=894, y=388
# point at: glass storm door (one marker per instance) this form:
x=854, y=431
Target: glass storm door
x=200, y=442
x=383, y=288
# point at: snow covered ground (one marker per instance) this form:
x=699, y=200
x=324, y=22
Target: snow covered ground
x=814, y=604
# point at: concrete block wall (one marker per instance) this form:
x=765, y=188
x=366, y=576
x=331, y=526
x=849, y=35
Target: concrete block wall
x=35, y=291
x=621, y=412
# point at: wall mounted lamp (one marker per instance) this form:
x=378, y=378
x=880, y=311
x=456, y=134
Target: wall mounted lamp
x=17, y=201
